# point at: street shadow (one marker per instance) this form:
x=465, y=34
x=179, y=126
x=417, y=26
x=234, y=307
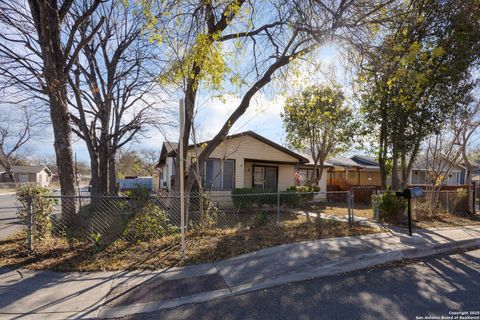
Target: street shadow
x=433, y=287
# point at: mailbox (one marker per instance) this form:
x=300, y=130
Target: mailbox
x=412, y=193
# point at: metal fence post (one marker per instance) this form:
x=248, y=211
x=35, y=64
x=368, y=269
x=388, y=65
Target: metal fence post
x=474, y=197
x=278, y=207
x=30, y=222
x=448, y=201
x=349, y=205
x=352, y=196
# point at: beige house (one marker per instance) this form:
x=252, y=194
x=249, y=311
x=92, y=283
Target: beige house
x=39, y=175
x=243, y=160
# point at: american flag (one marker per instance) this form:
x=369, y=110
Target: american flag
x=297, y=176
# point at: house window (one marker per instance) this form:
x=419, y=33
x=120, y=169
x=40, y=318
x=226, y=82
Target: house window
x=219, y=175
x=456, y=176
x=305, y=175
x=265, y=177
x=369, y=176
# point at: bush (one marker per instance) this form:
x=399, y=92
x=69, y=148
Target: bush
x=139, y=195
x=391, y=207
x=461, y=201
x=42, y=208
x=149, y=223
x=296, y=195
x=246, y=198
x=260, y=220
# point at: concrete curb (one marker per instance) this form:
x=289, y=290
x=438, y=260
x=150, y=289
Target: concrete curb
x=362, y=262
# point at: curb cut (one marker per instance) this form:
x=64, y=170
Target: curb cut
x=366, y=261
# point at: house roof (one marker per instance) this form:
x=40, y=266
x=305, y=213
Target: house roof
x=311, y=162
x=30, y=169
x=424, y=163
x=356, y=161
x=170, y=148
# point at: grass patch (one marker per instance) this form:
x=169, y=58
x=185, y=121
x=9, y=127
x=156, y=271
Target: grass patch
x=201, y=246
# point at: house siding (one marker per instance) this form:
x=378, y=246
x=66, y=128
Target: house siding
x=247, y=147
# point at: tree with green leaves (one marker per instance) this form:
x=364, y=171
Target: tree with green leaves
x=417, y=77
x=318, y=121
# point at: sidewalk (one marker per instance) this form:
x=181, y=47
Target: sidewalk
x=37, y=295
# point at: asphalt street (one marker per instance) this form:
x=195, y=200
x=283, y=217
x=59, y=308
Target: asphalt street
x=9, y=223
x=8, y=217
x=432, y=287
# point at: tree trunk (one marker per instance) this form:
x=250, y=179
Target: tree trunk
x=47, y=24
x=62, y=142
x=395, y=179
x=94, y=191
x=382, y=152
x=382, y=158
x=190, y=96
x=112, y=175
x=103, y=168
x=8, y=169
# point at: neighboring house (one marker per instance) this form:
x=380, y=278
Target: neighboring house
x=243, y=160
x=475, y=172
x=166, y=165
x=345, y=173
x=39, y=175
x=306, y=171
x=423, y=172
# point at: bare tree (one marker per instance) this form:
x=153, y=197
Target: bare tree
x=466, y=122
x=441, y=154
x=37, y=55
x=114, y=84
x=149, y=159
x=294, y=30
x=16, y=129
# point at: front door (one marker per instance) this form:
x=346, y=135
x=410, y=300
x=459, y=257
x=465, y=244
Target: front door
x=259, y=177
x=270, y=178
x=265, y=177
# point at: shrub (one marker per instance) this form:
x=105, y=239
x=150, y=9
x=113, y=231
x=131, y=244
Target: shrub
x=42, y=208
x=139, y=195
x=296, y=195
x=461, y=201
x=260, y=220
x=246, y=198
x=391, y=207
x=149, y=223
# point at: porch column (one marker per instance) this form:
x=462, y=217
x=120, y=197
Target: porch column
x=239, y=173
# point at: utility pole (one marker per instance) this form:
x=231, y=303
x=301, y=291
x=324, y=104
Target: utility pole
x=182, y=180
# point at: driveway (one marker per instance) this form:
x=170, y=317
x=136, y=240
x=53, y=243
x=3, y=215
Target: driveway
x=9, y=223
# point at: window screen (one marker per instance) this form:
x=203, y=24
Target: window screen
x=219, y=175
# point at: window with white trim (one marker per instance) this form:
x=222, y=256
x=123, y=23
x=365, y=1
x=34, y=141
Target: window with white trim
x=219, y=174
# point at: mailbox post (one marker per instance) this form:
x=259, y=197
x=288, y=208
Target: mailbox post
x=409, y=194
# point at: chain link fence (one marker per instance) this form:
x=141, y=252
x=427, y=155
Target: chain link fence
x=432, y=209
x=105, y=219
